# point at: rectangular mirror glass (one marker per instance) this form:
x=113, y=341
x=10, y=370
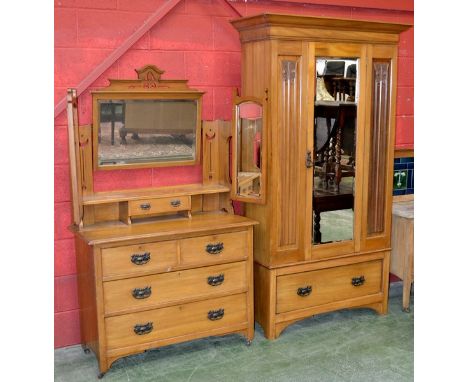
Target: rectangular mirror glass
x=137, y=131
x=335, y=114
x=248, y=166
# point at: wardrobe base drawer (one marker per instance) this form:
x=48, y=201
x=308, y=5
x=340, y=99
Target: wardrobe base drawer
x=307, y=289
x=138, y=328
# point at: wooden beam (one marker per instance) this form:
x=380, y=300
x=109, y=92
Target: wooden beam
x=117, y=53
x=404, y=153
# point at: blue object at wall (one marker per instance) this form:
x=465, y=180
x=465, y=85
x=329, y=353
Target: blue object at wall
x=403, y=176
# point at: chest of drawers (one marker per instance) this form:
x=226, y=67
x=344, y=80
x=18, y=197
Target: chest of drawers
x=149, y=285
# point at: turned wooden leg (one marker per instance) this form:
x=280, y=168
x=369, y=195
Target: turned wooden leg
x=123, y=135
x=317, y=233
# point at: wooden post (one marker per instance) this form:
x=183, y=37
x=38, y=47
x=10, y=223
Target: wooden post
x=74, y=157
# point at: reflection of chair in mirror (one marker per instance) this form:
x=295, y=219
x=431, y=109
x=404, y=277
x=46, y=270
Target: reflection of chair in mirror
x=333, y=161
x=111, y=112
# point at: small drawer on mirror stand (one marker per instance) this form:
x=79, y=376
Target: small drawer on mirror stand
x=158, y=206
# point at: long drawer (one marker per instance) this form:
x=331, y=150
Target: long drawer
x=152, y=325
x=174, y=287
x=307, y=289
x=214, y=248
x=135, y=259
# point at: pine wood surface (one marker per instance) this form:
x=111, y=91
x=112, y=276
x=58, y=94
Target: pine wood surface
x=158, y=205
x=161, y=192
x=402, y=255
x=174, y=287
x=199, y=224
x=116, y=262
x=193, y=251
x=175, y=321
x=279, y=53
x=176, y=265
x=328, y=285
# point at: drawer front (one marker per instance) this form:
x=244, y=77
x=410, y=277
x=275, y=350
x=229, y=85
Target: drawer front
x=159, y=205
x=134, y=259
x=175, y=321
x=215, y=248
x=166, y=288
x=307, y=289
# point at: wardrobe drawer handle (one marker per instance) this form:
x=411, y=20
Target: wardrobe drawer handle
x=214, y=249
x=145, y=206
x=140, y=293
x=140, y=259
x=304, y=291
x=216, y=280
x=175, y=203
x=358, y=281
x=214, y=315
x=141, y=329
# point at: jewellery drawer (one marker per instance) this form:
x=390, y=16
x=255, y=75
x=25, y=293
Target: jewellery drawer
x=215, y=248
x=134, y=259
x=174, y=287
x=174, y=321
x=159, y=205
x=302, y=290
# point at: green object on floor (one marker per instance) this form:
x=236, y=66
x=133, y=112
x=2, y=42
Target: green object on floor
x=348, y=345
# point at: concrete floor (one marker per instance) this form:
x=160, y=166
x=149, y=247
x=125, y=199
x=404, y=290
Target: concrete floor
x=349, y=345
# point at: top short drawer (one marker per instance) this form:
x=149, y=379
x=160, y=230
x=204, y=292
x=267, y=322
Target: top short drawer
x=158, y=205
x=214, y=248
x=135, y=259
x=307, y=289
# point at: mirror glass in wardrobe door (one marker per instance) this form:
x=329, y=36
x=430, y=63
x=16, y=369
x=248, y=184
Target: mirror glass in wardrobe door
x=333, y=159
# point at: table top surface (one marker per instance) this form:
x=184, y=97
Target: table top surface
x=404, y=209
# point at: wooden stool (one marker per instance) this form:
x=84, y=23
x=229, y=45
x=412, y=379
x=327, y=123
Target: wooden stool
x=401, y=261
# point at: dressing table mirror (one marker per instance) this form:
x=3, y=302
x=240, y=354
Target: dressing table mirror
x=147, y=122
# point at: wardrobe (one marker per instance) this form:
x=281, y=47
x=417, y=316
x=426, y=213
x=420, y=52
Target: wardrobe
x=312, y=159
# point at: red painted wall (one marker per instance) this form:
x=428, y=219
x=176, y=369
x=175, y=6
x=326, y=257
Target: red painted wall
x=194, y=41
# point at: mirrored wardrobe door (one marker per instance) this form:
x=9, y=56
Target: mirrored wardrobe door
x=337, y=118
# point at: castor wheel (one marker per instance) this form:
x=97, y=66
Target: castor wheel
x=100, y=375
x=86, y=351
x=248, y=342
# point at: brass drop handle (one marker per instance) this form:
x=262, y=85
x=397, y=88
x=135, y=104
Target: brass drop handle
x=214, y=315
x=141, y=329
x=304, y=291
x=140, y=259
x=216, y=280
x=358, y=281
x=214, y=249
x=145, y=206
x=175, y=203
x=309, y=162
x=141, y=293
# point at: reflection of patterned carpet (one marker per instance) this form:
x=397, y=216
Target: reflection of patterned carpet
x=337, y=225
x=147, y=146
